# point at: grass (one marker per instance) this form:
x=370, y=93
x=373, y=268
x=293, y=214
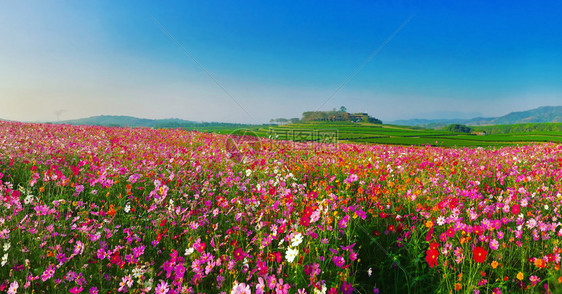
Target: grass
x=396, y=135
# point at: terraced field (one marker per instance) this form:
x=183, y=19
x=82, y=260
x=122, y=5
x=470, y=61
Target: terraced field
x=395, y=135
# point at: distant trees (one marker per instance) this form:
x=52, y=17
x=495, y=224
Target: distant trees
x=340, y=114
x=279, y=120
x=295, y=120
x=457, y=128
x=325, y=116
x=521, y=128
x=375, y=120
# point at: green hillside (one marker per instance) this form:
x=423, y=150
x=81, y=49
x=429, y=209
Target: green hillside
x=544, y=114
x=397, y=135
x=521, y=128
x=362, y=132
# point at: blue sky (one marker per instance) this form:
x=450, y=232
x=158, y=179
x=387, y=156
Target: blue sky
x=277, y=59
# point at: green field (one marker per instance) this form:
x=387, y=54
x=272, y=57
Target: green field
x=347, y=132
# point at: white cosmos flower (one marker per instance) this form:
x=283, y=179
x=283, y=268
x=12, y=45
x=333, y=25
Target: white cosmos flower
x=6, y=246
x=28, y=199
x=297, y=240
x=291, y=254
x=322, y=291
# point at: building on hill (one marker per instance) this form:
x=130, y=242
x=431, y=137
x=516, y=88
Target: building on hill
x=359, y=117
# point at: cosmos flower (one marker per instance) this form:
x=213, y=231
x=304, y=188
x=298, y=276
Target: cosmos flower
x=161, y=288
x=48, y=273
x=291, y=254
x=431, y=257
x=13, y=289
x=479, y=254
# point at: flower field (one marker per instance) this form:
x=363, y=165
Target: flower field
x=107, y=210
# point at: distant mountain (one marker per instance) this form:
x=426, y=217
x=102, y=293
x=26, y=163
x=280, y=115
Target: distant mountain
x=135, y=122
x=537, y=115
x=127, y=121
x=428, y=123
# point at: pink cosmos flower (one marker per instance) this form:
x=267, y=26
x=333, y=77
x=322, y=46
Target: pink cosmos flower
x=241, y=288
x=48, y=273
x=494, y=244
x=339, y=261
x=271, y=282
x=13, y=287
x=534, y=280
x=162, y=288
x=78, y=248
x=282, y=288
x=75, y=290
x=260, y=287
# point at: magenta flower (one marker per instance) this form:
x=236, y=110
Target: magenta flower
x=281, y=288
x=339, y=261
x=48, y=273
x=346, y=288
x=79, y=189
x=534, y=280
x=75, y=290
x=342, y=223
x=271, y=282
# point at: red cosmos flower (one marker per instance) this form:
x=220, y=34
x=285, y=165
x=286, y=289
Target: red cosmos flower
x=429, y=235
x=305, y=221
x=115, y=258
x=200, y=247
x=281, y=229
x=274, y=257
x=450, y=232
x=477, y=230
x=391, y=228
x=433, y=245
x=305, y=218
x=431, y=257
x=239, y=254
x=479, y=254
x=515, y=209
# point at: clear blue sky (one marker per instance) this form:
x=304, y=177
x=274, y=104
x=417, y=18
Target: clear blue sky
x=277, y=59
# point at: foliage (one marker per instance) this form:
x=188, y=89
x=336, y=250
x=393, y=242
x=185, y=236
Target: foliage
x=522, y=128
x=98, y=209
x=457, y=128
